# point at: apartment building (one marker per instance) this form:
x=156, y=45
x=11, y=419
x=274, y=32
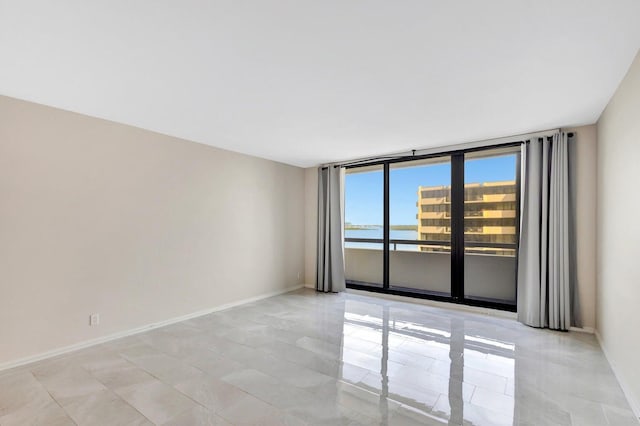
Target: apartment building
x=489, y=217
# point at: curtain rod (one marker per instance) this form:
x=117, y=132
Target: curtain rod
x=447, y=148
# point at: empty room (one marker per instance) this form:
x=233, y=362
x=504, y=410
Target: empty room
x=279, y=212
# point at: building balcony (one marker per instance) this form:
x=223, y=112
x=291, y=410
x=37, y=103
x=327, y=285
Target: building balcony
x=498, y=197
x=435, y=229
x=437, y=200
x=482, y=214
x=490, y=198
x=496, y=214
x=499, y=230
x=434, y=215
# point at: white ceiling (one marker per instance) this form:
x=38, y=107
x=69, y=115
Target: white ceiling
x=307, y=82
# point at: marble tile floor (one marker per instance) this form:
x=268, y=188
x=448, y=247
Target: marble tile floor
x=305, y=358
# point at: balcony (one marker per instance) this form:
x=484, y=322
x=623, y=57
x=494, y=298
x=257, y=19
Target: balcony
x=497, y=214
x=434, y=215
x=437, y=200
x=435, y=229
x=499, y=230
x=488, y=276
x=484, y=214
x=491, y=198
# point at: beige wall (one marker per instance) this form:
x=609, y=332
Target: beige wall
x=584, y=168
x=618, y=233
x=98, y=217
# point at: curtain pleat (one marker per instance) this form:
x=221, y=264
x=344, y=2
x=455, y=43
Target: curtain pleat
x=330, y=262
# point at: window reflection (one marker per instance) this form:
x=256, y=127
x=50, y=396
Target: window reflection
x=433, y=367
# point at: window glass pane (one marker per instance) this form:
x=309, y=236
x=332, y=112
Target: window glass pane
x=364, y=197
x=420, y=201
x=490, y=215
x=363, y=263
x=419, y=210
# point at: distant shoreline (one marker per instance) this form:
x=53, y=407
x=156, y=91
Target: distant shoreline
x=369, y=227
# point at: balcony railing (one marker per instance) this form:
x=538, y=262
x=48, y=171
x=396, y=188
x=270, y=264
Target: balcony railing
x=436, y=200
x=471, y=247
x=490, y=268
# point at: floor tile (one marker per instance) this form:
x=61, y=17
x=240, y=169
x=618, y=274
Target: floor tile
x=249, y=410
x=213, y=364
x=166, y=368
x=157, y=401
x=50, y=414
x=269, y=389
x=210, y=392
x=68, y=384
x=103, y=408
x=197, y=416
x=20, y=391
x=122, y=376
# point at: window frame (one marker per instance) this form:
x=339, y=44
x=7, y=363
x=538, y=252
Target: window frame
x=457, y=241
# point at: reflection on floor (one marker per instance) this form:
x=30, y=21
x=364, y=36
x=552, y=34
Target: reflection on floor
x=325, y=359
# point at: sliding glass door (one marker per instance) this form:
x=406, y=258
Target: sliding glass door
x=420, y=225
x=364, y=225
x=441, y=227
x=490, y=224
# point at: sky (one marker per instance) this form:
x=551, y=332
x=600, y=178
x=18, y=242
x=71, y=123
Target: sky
x=363, y=191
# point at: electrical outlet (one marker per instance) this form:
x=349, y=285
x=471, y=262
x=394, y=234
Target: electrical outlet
x=94, y=319
x=298, y=275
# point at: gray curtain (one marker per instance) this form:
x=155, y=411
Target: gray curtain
x=330, y=262
x=544, y=256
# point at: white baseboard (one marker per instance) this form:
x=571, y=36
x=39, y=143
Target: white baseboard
x=588, y=330
x=437, y=304
x=130, y=332
x=313, y=286
x=631, y=399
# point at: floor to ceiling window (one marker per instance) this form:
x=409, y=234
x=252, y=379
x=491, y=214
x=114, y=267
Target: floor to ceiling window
x=420, y=259
x=364, y=257
x=443, y=227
